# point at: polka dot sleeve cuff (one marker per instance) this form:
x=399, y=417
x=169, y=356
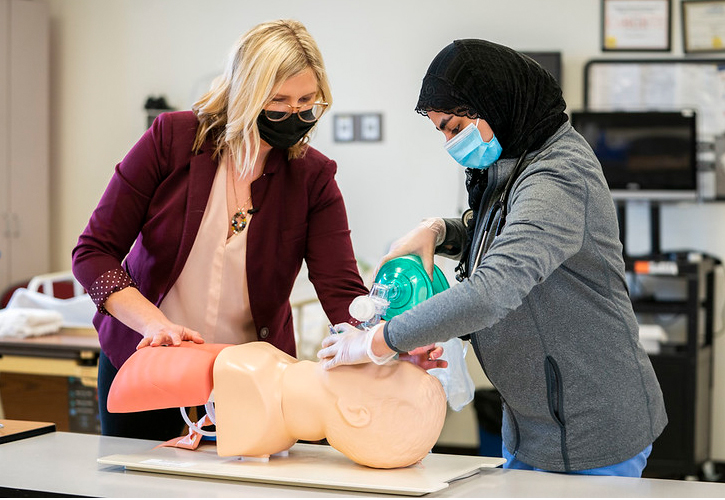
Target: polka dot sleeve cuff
x=109, y=282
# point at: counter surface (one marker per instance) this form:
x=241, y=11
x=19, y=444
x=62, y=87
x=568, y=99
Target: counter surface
x=66, y=463
x=72, y=343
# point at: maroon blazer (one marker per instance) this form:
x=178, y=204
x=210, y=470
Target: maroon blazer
x=150, y=213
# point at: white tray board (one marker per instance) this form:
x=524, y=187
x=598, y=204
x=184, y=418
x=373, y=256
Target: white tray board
x=309, y=465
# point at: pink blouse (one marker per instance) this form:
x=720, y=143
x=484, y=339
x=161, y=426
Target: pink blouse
x=211, y=294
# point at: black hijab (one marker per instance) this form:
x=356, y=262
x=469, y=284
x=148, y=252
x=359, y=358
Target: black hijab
x=519, y=99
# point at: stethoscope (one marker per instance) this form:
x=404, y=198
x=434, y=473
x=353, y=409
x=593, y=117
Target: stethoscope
x=495, y=217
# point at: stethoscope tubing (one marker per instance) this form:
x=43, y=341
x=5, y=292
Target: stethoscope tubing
x=501, y=205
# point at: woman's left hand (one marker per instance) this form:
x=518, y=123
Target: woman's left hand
x=426, y=357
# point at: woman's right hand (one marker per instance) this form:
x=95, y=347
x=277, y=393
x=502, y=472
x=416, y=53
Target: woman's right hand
x=169, y=334
x=421, y=241
x=136, y=312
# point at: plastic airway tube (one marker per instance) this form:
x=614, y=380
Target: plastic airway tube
x=193, y=426
x=210, y=410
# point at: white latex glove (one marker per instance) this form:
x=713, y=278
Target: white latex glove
x=349, y=347
x=421, y=241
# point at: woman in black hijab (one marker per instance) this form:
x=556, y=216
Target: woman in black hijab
x=543, y=296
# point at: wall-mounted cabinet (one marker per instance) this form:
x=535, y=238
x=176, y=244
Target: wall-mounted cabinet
x=24, y=140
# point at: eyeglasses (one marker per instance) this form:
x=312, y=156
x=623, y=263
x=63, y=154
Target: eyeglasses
x=310, y=113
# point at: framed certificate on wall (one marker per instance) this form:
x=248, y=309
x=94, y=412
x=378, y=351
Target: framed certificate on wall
x=703, y=25
x=636, y=25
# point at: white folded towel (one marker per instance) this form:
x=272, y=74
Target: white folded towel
x=77, y=311
x=25, y=322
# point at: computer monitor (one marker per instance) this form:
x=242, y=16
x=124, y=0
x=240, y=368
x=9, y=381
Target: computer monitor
x=550, y=61
x=648, y=155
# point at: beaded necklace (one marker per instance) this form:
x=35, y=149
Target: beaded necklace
x=239, y=219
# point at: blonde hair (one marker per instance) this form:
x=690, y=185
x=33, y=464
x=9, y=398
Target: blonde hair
x=260, y=61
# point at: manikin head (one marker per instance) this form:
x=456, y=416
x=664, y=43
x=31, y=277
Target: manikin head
x=383, y=416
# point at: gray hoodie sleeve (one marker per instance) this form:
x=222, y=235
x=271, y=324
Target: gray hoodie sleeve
x=545, y=227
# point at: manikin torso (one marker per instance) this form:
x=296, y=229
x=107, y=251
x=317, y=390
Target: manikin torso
x=266, y=400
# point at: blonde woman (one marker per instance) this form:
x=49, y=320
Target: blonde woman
x=205, y=223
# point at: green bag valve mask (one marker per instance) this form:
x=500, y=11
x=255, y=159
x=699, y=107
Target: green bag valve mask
x=401, y=284
x=408, y=283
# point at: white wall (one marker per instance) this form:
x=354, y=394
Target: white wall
x=108, y=56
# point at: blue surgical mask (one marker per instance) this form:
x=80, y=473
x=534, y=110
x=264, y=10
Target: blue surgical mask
x=469, y=149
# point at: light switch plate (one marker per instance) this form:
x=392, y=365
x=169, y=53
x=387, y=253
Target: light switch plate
x=344, y=128
x=371, y=127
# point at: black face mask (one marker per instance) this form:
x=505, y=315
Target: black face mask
x=284, y=134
